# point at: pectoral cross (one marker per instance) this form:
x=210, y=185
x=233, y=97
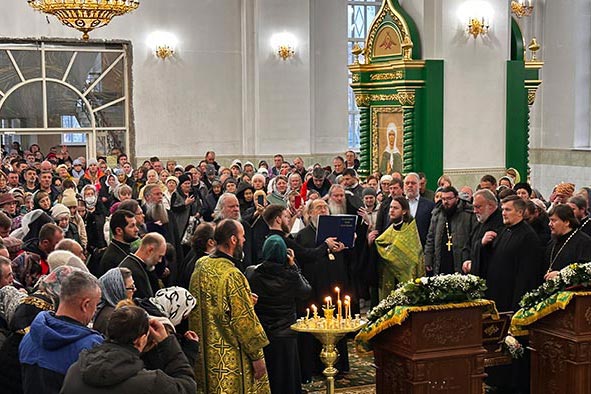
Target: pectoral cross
x=449, y=243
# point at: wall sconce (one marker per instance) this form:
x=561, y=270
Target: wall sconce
x=284, y=45
x=477, y=27
x=478, y=14
x=162, y=43
x=521, y=8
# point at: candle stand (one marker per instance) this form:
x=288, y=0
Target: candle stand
x=329, y=330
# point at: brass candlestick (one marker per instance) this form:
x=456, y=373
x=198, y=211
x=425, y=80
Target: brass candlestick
x=329, y=331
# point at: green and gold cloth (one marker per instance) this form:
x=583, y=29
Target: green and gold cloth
x=402, y=257
x=230, y=333
x=527, y=316
x=398, y=314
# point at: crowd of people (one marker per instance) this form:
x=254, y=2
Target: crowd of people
x=170, y=278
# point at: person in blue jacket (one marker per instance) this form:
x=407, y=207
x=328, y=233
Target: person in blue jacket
x=56, y=339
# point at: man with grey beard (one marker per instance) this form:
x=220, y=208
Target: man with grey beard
x=156, y=215
x=490, y=221
x=324, y=273
x=339, y=201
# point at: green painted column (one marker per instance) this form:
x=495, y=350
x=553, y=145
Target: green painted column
x=364, y=142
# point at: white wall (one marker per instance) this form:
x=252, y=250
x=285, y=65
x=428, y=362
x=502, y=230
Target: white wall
x=474, y=75
x=225, y=90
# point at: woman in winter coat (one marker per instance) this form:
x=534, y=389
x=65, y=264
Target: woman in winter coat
x=116, y=367
x=278, y=282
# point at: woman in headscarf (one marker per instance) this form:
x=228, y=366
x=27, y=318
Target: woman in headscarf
x=42, y=201
x=46, y=298
x=31, y=263
x=106, y=193
x=279, y=283
x=245, y=195
x=61, y=214
x=183, y=205
x=10, y=298
x=116, y=285
x=94, y=218
x=211, y=200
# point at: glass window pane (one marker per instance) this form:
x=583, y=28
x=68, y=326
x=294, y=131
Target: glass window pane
x=26, y=105
x=106, y=141
x=63, y=101
x=8, y=75
x=73, y=138
x=109, y=88
x=112, y=116
x=56, y=63
x=29, y=62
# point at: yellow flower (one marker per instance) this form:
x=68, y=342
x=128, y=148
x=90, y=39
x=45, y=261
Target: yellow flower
x=418, y=281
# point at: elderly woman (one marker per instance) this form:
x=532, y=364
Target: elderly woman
x=183, y=205
x=116, y=285
x=61, y=214
x=279, y=283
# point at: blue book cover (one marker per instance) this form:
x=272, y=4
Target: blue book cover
x=340, y=226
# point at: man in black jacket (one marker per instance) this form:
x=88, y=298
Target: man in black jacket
x=142, y=263
x=116, y=367
x=420, y=207
x=124, y=229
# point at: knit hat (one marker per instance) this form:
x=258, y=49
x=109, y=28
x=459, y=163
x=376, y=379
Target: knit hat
x=386, y=178
x=566, y=189
x=237, y=163
x=172, y=178
x=368, y=191
x=183, y=178
x=275, y=250
x=92, y=161
x=523, y=185
x=69, y=198
x=59, y=210
x=77, y=162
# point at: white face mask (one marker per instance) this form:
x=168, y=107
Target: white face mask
x=90, y=200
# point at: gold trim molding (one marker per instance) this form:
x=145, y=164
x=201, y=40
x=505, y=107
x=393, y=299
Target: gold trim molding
x=386, y=76
x=377, y=23
x=406, y=98
x=531, y=96
x=355, y=77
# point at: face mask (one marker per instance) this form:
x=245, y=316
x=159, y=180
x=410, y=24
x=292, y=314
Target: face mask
x=90, y=201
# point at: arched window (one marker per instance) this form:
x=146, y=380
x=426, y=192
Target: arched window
x=80, y=92
x=360, y=14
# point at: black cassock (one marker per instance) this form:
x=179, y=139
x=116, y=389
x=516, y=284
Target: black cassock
x=515, y=266
x=323, y=275
x=576, y=250
x=479, y=254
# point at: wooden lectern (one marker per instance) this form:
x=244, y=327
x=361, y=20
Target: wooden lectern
x=432, y=351
x=561, y=350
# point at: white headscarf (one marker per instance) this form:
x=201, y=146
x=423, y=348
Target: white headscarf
x=174, y=302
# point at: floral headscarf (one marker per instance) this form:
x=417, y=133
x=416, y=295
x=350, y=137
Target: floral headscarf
x=52, y=283
x=10, y=298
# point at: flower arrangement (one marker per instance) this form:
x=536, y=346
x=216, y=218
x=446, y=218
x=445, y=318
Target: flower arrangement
x=574, y=275
x=513, y=347
x=440, y=289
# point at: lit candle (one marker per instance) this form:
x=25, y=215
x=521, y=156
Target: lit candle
x=346, y=309
x=348, y=305
x=315, y=311
x=329, y=301
x=307, y=313
x=339, y=309
x=338, y=292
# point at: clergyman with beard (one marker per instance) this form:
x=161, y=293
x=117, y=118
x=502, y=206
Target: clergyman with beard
x=323, y=273
x=448, y=239
x=156, y=213
x=231, y=335
x=124, y=228
x=490, y=223
x=141, y=264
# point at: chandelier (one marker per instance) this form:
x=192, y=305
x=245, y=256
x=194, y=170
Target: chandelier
x=85, y=15
x=522, y=8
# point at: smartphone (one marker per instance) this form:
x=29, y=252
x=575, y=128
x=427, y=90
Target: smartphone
x=298, y=202
x=261, y=200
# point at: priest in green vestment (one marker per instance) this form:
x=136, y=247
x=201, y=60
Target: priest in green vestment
x=400, y=249
x=231, y=335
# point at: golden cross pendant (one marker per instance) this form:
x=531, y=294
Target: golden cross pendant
x=449, y=244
